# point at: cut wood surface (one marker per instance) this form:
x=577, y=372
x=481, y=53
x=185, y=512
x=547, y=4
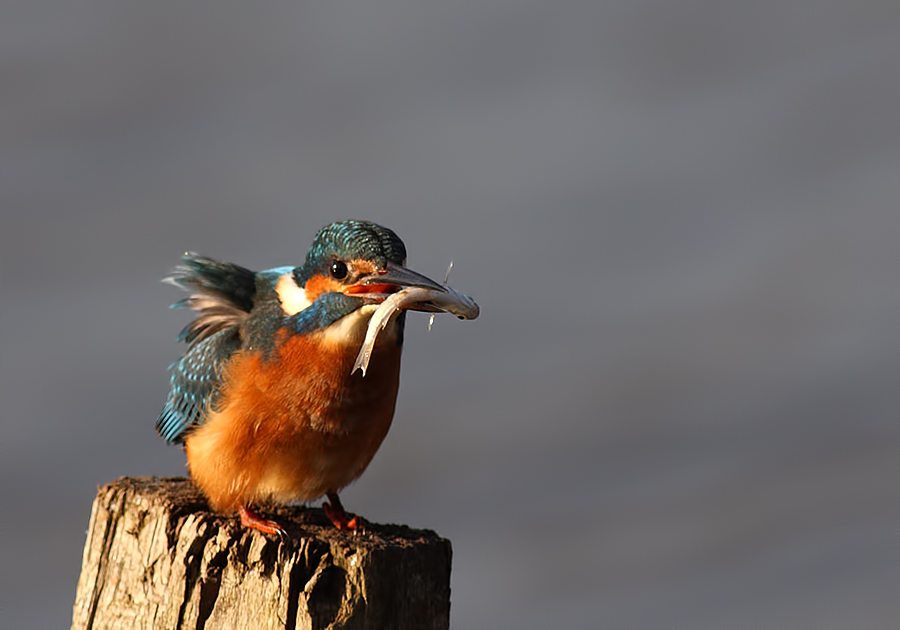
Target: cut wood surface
x=156, y=557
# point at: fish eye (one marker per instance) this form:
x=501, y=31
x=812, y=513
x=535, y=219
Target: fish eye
x=338, y=269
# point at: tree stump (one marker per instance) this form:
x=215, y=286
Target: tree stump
x=156, y=557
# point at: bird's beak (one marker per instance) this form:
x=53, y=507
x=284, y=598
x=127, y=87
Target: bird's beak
x=377, y=286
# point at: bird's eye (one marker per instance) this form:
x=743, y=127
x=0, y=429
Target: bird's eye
x=338, y=269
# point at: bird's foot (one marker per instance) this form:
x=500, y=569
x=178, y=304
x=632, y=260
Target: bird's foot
x=339, y=517
x=251, y=519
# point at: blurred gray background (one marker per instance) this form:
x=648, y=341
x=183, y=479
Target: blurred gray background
x=679, y=406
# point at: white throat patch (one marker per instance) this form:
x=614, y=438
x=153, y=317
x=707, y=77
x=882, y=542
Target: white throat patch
x=293, y=298
x=350, y=330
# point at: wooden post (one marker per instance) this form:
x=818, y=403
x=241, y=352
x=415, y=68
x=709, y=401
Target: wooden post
x=155, y=557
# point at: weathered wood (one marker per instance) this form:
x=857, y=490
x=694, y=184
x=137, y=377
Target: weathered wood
x=155, y=557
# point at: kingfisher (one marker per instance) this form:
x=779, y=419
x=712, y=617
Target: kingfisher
x=265, y=400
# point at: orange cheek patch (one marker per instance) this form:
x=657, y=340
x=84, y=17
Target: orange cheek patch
x=317, y=285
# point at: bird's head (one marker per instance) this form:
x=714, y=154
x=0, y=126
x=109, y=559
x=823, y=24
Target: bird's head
x=361, y=263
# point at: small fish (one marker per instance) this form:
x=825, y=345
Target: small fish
x=416, y=298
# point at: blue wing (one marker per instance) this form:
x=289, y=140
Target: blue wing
x=194, y=384
x=223, y=295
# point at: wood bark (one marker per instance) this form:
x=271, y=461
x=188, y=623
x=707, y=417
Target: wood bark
x=156, y=557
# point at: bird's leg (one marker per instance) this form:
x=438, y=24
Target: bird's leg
x=251, y=519
x=339, y=517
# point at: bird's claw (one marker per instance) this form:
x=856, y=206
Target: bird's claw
x=340, y=518
x=251, y=519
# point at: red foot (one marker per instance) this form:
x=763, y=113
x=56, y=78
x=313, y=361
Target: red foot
x=336, y=514
x=251, y=519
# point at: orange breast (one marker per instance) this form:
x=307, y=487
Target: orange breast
x=296, y=426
